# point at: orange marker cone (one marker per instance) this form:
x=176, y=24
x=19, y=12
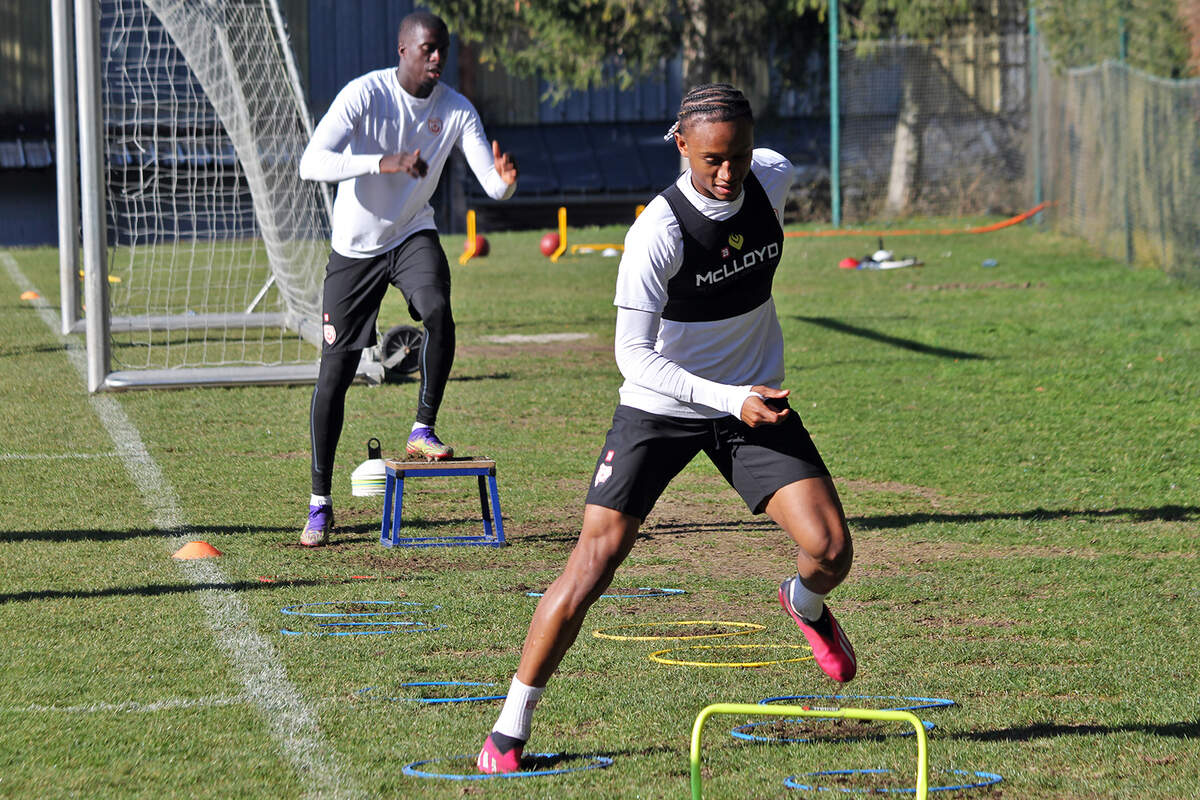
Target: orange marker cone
x=196, y=550
x=30, y=295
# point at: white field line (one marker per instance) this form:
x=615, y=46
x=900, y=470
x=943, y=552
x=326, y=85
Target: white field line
x=131, y=706
x=291, y=720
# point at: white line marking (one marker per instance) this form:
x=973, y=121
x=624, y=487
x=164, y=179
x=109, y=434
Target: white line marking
x=291, y=720
x=536, y=338
x=132, y=706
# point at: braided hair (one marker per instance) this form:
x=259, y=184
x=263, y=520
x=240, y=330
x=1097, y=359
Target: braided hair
x=715, y=102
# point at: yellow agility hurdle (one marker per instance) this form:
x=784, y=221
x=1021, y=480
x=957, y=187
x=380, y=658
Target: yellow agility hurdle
x=922, y=787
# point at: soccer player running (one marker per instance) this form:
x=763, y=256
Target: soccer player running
x=384, y=141
x=701, y=351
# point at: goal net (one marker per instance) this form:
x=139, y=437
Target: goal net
x=216, y=248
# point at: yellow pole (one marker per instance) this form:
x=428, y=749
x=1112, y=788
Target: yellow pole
x=469, y=251
x=562, y=234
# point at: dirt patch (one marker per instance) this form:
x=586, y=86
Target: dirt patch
x=932, y=496
x=946, y=287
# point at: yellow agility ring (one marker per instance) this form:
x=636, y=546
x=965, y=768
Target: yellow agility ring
x=750, y=627
x=658, y=656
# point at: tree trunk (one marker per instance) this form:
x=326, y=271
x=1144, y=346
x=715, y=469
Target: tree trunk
x=906, y=150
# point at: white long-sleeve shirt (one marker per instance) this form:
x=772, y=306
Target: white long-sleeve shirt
x=373, y=116
x=692, y=369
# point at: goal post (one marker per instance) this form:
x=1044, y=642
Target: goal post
x=203, y=250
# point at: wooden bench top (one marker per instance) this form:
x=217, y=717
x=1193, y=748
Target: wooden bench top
x=450, y=463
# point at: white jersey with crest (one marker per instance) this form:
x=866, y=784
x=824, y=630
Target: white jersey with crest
x=718, y=360
x=374, y=116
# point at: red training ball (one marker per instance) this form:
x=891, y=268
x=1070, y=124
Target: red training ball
x=549, y=244
x=482, y=248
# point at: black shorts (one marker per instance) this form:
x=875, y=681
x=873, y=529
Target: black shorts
x=644, y=451
x=354, y=288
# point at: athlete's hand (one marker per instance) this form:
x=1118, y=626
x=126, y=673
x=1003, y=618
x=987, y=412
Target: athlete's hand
x=506, y=165
x=767, y=409
x=411, y=163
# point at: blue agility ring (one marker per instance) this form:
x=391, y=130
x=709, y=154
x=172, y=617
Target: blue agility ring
x=292, y=609
x=743, y=732
x=392, y=627
x=476, y=699
x=916, y=703
x=597, y=762
x=648, y=591
x=989, y=778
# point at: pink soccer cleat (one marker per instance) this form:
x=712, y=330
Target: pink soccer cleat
x=493, y=759
x=831, y=648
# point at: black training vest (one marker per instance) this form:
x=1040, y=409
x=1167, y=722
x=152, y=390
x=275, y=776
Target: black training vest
x=727, y=266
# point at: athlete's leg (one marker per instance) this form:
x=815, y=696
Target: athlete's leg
x=604, y=542
x=811, y=512
x=641, y=454
x=419, y=269
x=327, y=413
x=777, y=469
x=432, y=303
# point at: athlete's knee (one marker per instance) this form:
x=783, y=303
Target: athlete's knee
x=602, y=547
x=833, y=550
x=337, y=371
x=432, y=306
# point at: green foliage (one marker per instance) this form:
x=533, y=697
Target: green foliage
x=1084, y=33
x=573, y=44
x=570, y=43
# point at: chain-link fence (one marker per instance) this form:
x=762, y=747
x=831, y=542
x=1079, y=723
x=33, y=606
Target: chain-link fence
x=934, y=128
x=1118, y=154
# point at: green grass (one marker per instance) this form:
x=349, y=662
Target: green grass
x=1017, y=448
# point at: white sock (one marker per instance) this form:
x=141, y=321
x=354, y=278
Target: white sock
x=320, y=500
x=418, y=425
x=518, y=710
x=807, y=602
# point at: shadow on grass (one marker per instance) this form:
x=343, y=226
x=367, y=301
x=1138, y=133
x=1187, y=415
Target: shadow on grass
x=95, y=535
x=1168, y=513
x=566, y=760
x=894, y=341
x=491, y=376
x=151, y=590
x=1025, y=733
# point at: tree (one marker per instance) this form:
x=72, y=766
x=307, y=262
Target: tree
x=1155, y=33
x=576, y=43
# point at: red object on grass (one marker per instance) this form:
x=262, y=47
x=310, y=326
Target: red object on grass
x=848, y=263
x=482, y=248
x=549, y=244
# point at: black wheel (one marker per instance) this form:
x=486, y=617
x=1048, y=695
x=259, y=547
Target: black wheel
x=400, y=350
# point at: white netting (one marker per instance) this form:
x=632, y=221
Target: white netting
x=204, y=131
x=1121, y=162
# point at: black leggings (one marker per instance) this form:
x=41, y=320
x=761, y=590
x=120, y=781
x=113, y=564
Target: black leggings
x=327, y=411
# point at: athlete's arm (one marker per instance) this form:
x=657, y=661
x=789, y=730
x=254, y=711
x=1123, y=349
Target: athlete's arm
x=640, y=363
x=324, y=159
x=485, y=159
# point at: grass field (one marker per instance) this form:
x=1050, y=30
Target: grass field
x=1017, y=449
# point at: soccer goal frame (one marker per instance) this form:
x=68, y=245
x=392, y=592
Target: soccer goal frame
x=224, y=246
